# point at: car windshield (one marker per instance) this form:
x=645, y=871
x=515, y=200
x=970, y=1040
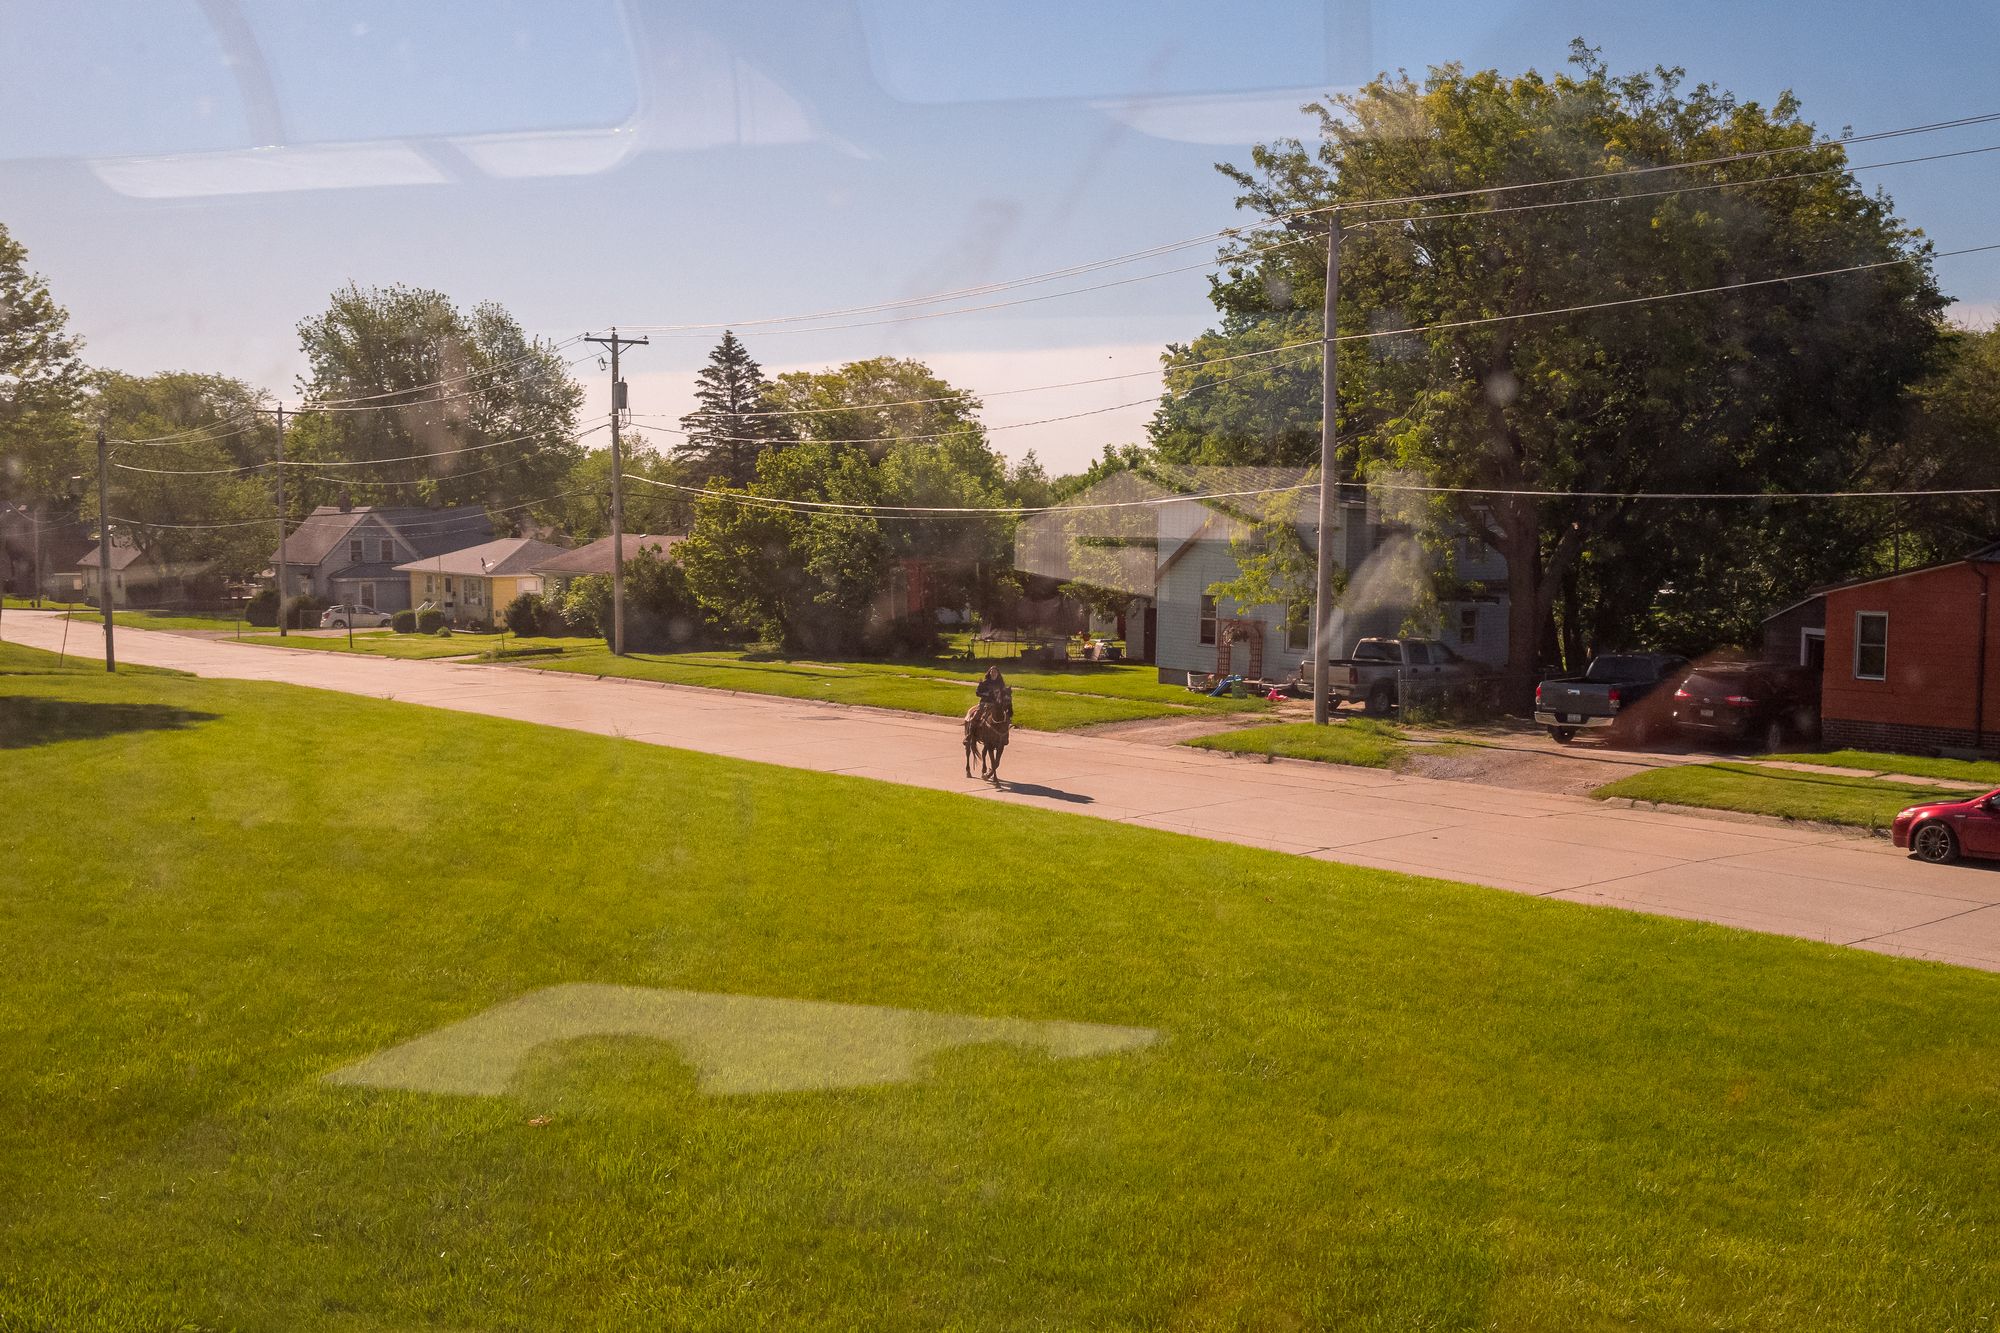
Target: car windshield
x=919, y=664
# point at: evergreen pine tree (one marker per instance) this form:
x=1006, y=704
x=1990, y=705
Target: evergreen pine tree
x=731, y=427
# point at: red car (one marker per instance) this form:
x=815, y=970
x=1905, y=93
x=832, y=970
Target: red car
x=1946, y=830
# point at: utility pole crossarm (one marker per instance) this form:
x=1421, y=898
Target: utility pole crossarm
x=618, y=406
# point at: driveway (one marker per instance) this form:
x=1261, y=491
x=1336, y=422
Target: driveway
x=1821, y=886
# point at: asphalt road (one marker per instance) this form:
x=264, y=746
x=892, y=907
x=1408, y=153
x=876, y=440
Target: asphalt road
x=1831, y=887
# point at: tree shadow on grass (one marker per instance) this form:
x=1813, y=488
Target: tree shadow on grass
x=27, y=721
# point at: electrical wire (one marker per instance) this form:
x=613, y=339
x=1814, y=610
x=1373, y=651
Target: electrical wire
x=278, y=518
x=353, y=462
x=1342, y=206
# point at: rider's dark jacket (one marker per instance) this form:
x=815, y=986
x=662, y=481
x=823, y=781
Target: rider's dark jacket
x=992, y=692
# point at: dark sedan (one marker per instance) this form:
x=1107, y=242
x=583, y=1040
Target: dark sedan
x=1749, y=703
x=1943, y=831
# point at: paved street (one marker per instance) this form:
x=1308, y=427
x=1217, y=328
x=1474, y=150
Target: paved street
x=1841, y=889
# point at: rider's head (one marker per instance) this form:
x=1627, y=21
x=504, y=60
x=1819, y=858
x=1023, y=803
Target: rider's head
x=993, y=672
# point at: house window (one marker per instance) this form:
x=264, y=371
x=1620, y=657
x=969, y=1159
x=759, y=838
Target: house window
x=354, y=556
x=1468, y=624
x=368, y=596
x=472, y=591
x=447, y=585
x=1298, y=638
x=386, y=550
x=1871, y=645
x=1207, y=624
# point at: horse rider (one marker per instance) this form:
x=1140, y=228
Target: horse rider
x=993, y=692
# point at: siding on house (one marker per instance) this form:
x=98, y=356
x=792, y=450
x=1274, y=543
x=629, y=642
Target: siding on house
x=1930, y=695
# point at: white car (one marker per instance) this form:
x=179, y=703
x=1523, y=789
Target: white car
x=360, y=617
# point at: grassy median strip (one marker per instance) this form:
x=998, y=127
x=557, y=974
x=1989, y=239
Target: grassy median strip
x=1825, y=798
x=388, y=643
x=1360, y=741
x=1910, y=765
x=220, y=621
x=1377, y=1102
x=1044, y=699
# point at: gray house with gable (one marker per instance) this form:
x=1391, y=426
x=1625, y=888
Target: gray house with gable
x=349, y=554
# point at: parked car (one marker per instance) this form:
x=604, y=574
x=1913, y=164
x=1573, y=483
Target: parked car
x=360, y=617
x=1374, y=675
x=1943, y=831
x=1626, y=694
x=1753, y=702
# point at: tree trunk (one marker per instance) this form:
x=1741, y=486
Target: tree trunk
x=1522, y=548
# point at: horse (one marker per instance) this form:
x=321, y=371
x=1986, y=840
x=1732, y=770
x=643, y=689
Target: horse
x=986, y=729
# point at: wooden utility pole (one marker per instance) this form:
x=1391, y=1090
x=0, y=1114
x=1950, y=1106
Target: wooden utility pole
x=1329, y=437
x=104, y=545
x=618, y=406
x=283, y=565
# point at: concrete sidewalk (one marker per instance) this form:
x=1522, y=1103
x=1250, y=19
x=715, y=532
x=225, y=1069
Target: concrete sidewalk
x=1840, y=889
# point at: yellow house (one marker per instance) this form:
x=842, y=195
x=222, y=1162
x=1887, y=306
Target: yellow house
x=474, y=585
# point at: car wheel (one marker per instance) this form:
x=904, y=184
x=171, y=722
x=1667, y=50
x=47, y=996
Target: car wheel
x=1381, y=699
x=1774, y=736
x=1563, y=735
x=1934, y=842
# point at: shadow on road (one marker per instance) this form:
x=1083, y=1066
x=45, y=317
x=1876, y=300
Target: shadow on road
x=1036, y=789
x=26, y=722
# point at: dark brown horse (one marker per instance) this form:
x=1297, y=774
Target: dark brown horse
x=986, y=729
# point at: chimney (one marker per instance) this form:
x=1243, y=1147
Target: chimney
x=346, y=501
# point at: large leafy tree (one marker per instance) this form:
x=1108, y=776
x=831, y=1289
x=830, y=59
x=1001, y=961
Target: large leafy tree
x=734, y=423
x=441, y=406
x=42, y=382
x=1790, y=386
x=765, y=560
x=199, y=497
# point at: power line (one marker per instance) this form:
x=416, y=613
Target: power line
x=1169, y=247
x=351, y=462
x=1672, y=190
x=401, y=528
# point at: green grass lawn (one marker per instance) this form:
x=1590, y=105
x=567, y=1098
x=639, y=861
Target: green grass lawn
x=1916, y=766
x=29, y=604
x=388, y=643
x=1825, y=797
x=1363, y=742
x=1045, y=699
x=1379, y=1103
x=17, y=660
x=228, y=621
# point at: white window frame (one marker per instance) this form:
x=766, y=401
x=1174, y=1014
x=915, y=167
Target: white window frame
x=1468, y=624
x=1859, y=618
x=1806, y=637
x=1298, y=638
x=357, y=552
x=1208, y=621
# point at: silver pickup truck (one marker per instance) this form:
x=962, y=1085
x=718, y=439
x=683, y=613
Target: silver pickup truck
x=1375, y=674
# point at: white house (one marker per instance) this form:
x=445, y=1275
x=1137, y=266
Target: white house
x=1167, y=535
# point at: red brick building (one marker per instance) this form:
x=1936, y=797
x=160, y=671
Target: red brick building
x=1913, y=659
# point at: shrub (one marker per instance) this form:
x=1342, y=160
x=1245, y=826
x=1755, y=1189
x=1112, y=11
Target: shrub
x=430, y=620
x=442, y=632
x=302, y=612
x=262, y=608
x=587, y=607
x=913, y=635
x=528, y=615
x=661, y=614
x=404, y=621
x=480, y=627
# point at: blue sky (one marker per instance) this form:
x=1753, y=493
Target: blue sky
x=651, y=163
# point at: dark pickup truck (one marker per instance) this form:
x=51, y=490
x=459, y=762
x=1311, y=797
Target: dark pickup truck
x=1619, y=690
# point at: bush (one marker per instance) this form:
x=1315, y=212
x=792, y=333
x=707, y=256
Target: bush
x=262, y=608
x=661, y=614
x=302, y=612
x=587, y=607
x=914, y=635
x=404, y=622
x=430, y=620
x=528, y=615
x=441, y=632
